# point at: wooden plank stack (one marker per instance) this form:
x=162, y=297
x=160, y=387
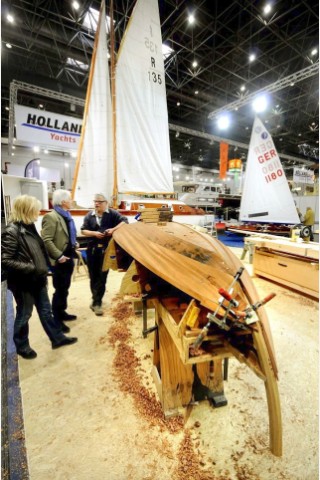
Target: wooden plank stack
x=156, y=215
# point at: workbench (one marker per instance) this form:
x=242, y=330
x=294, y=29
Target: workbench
x=180, y=378
x=293, y=264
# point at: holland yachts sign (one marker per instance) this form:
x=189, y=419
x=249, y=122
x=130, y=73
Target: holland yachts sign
x=46, y=128
x=301, y=175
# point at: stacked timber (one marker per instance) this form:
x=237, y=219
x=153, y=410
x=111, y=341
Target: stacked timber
x=156, y=215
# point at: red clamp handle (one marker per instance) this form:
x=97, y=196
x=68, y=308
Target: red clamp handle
x=225, y=294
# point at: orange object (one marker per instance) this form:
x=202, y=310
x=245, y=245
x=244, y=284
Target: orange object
x=223, y=160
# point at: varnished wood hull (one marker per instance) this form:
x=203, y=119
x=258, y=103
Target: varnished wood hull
x=198, y=265
x=195, y=263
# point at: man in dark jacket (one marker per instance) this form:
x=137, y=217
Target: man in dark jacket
x=24, y=258
x=99, y=225
x=60, y=237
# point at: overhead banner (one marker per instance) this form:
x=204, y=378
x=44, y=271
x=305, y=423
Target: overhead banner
x=40, y=127
x=223, y=160
x=301, y=175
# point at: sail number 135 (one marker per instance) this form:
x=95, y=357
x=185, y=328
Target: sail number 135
x=155, y=77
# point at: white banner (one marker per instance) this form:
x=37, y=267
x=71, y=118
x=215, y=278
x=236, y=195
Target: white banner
x=301, y=175
x=40, y=127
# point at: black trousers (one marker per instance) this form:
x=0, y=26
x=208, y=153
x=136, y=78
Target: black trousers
x=61, y=279
x=98, y=278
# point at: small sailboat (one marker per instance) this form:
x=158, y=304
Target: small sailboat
x=266, y=196
x=125, y=150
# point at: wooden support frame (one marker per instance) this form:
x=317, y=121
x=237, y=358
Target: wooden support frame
x=173, y=370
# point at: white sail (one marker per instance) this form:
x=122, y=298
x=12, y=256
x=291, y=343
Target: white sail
x=142, y=133
x=266, y=195
x=96, y=164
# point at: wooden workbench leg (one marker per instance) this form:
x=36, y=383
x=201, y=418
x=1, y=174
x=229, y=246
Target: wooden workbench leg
x=176, y=378
x=244, y=251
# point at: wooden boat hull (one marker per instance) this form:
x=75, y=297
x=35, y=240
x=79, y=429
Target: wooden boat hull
x=194, y=263
x=197, y=265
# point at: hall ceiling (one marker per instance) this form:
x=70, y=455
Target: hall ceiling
x=48, y=32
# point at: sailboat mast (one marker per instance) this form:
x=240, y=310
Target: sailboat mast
x=114, y=114
x=88, y=97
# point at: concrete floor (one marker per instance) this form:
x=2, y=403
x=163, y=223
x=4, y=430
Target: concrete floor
x=85, y=417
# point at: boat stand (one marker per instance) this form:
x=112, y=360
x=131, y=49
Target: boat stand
x=182, y=379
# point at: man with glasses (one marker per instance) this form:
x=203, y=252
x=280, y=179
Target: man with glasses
x=99, y=225
x=60, y=238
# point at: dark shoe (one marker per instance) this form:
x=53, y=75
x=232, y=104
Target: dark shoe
x=65, y=328
x=67, y=317
x=97, y=309
x=64, y=341
x=27, y=353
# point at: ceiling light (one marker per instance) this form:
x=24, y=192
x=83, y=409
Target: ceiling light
x=36, y=149
x=187, y=178
x=314, y=52
x=40, y=105
x=73, y=154
x=177, y=177
x=76, y=5
x=291, y=84
x=299, y=134
x=242, y=88
x=236, y=109
x=10, y=18
x=196, y=92
x=223, y=122
x=46, y=151
x=7, y=108
x=178, y=104
x=252, y=57
x=177, y=134
x=260, y=103
x=76, y=63
x=8, y=45
x=38, y=162
x=166, y=51
x=194, y=63
x=66, y=165
x=191, y=19
x=267, y=9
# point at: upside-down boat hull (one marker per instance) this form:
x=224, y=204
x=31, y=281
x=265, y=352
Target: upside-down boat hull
x=195, y=263
x=198, y=265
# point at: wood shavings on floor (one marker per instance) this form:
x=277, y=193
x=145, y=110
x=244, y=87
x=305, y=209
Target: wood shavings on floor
x=91, y=410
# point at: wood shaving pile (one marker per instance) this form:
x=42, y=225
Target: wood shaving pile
x=191, y=463
x=126, y=364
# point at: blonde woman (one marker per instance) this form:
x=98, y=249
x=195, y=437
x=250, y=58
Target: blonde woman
x=25, y=261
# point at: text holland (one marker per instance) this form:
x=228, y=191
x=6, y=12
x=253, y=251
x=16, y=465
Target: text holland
x=42, y=121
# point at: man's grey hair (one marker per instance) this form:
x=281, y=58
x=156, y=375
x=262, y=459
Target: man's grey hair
x=59, y=196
